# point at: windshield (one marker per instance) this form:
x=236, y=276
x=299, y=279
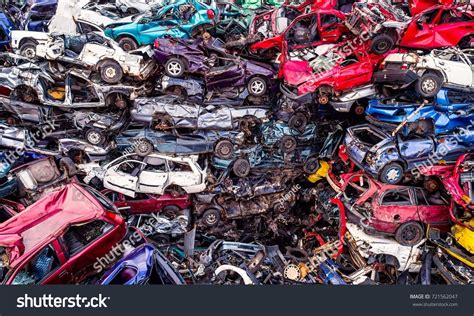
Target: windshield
x=4, y=264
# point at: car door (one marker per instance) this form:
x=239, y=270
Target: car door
x=86, y=244
x=355, y=70
x=43, y=267
x=451, y=26
x=154, y=177
x=182, y=174
x=415, y=150
x=420, y=33
x=230, y=75
x=396, y=207
x=433, y=208
x=330, y=27
x=82, y=93
x=123, y=177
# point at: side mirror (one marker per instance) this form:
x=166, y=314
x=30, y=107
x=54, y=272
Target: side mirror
x=419, y=25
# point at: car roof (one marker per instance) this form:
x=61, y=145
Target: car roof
x=43, y=221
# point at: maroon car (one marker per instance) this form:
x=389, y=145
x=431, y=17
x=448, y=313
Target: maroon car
x=402, y=211
x=58, y=239
x=147, y=203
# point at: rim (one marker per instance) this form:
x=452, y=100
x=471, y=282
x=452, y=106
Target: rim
x=382, y=45
x=428, y=85
x=410, y=233
x=288, y=143
x=297, y=122
x=211, y=219
x=224, y=149
x=257, y=86
x=110, y=72
x=143, y=147
x=242, y=168
x=174, y=68
x=393, y=174
x=93, y=137
x=29, y=52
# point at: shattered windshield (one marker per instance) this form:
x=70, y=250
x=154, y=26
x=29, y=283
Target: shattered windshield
x=4, y=264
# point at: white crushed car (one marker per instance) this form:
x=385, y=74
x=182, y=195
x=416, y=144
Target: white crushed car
x=92, y=51
x=155, y=174
x=450, y=67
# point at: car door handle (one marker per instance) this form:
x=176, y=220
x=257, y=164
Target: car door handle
x=442, y=63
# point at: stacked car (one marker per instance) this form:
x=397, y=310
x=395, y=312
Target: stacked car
x=248, y=142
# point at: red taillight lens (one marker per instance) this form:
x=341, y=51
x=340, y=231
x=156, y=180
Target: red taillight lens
x=404, y=67
x=156, y=44
x=210, y=14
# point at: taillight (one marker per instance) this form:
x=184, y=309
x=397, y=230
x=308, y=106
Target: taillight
x=156, y=44
x=382, y=65
x=404, y=67
x=210, y=14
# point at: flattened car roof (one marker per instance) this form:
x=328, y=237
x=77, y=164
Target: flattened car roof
x=42, y=221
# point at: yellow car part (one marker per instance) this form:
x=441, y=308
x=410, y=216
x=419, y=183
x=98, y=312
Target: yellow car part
x=321, y=173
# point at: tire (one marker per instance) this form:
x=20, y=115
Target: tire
x=381, y=44
x=241, y=167
x=358, y=109
x=257, y=86
x=279, y=207
x=311, y=165
x=211, y=217
x=298, y=121
x=28, y=49
x=392, y=173
x=110, y=72
x=143, y=147
x=170, y=211
x=224, y=149
x=409, y=234
x=67, y=165
x=428, y=85
x=94, y=136
x=175, y=67
x=467, y=42
x=127, y=44
x=288, y=144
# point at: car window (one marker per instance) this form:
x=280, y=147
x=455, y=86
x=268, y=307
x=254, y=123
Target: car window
x=86, y=28
x=426, y=198
x=78, y=237
x=179, y=167
x=453, y=16
x=38, y=268
x=397, y=197
x=428, y=17
x=130, y=167
x=155, y=164
x=102, y=199
x=329, y=21
x=138, y=197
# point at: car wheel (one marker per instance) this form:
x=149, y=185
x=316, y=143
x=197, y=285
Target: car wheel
x=170, y=211
x=175, y=67
x=392, y=173
x=211, y=217
x=28, y=50
x=241, y=167
x=175, y=191
x=298, y=121
x=288, y=144
x=428, y=85
x=143, y=147
x=409, y=234
x=111, y=72
x=67, y=165
x=381, y=44
x=311, y=165
x=224, y=149
x=359, y=109
x=281, y=207
x=127, y=44
x=95, y=136
x=257, y=86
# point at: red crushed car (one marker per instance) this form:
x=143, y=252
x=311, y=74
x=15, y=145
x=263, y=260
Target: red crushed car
x=402, y=211
x=148, y=203
x=458, y=179
x=286, y=24
x=440, y=26
x=330, y=74
x=58, y=239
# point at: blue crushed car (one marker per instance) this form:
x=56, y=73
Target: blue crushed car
x=387, y=157
x=444, y=115
x=178, y=19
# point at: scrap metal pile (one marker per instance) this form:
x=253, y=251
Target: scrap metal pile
x=246, y=142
